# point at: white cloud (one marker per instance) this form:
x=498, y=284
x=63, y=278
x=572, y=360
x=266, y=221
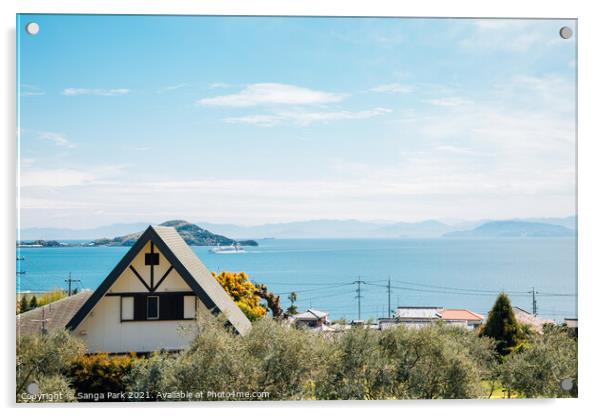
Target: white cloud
x=458, y=150
x=500, y=24
x=96, y=91
x=57, y=138
x=55, y=177
x=219, y=85
x=393, y=88
x=305, y=118
x=172, y=87
x=449, y=101
x=272, y=94
x=27, y=90
x=67, y=177
x=511, y=35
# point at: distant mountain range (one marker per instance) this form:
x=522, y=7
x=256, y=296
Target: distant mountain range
x=191, y=233
x=318, y=229
x=514, y=229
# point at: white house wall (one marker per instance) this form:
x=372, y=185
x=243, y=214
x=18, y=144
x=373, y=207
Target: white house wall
x=103, y=331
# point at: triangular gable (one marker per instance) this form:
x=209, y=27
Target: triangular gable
x=186, y=264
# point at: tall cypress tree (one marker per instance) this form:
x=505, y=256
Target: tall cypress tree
x=33, y=303
x=502, y=326
x=24, y=304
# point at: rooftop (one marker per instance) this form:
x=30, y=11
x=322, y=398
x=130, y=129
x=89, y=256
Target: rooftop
x=529, y=319
x=311, y=314
x=55, y=315
x=460, y=315
x=418, y=312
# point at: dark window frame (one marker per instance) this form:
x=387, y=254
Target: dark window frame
x=143, y=296
x=121, y=309
x=148, y=317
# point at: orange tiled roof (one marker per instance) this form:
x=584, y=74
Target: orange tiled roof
x=460, y=315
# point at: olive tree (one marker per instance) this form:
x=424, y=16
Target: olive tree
x=539, y=368
x=43, y=359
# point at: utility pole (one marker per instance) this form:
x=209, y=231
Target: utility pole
x=533, y=292
x=389, y=291
x=69, y=281
x=43, y=321
x=359, y=282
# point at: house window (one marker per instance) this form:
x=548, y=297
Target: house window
x=152, y=307
x=189, y=307
x=127, y=308
x=151, y=259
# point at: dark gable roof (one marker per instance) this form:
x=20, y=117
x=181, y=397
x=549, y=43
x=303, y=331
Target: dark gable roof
x=187, y=264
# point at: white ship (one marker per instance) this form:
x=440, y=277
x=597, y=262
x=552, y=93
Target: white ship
x=233, y=249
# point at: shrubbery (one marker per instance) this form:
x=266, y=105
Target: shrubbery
x=44, y=359
x=288, y=363
x=538, y=369
x=436, y=361
x=99, y=373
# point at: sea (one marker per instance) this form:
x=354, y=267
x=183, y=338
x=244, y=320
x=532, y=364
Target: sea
x=360, y=278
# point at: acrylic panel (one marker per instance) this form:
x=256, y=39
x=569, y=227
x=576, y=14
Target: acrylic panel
x=295, y=208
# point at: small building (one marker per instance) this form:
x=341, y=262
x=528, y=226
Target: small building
x=311, y=318
x=150, y=301
x=462, y=317
x=417, y=316
x=386, y=323
x=532, y=321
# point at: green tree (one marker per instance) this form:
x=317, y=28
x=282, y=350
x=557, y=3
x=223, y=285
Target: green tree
x=502, y=326
x=286, y=359
x=23, y=305
x=215, y=361
x=33, y=303
x=354, y=368
x=292, y=310
x=538, y=369
x=43, y=359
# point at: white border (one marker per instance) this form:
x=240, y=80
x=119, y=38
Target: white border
x=590, y=155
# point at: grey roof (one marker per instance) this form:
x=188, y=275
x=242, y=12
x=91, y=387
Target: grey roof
x=57, y=314
x=187, y=264
x=418, y=312
x=311, y=314
x=203, y=276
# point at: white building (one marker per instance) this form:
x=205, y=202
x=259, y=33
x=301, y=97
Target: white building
x=150, y=301
x=417, y=316
x=462, y=317
x=420, y=316
x=311, y=318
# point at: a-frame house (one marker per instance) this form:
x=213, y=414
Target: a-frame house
x=151, y=299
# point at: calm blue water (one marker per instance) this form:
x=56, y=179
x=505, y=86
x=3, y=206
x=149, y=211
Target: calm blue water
x=452, y=273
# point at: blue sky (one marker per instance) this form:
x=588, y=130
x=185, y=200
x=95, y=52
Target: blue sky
x=255, y=120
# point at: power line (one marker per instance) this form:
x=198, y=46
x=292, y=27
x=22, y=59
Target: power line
x=446, y=292
x=457, y=288
x=359, y=297
x=322, y=288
